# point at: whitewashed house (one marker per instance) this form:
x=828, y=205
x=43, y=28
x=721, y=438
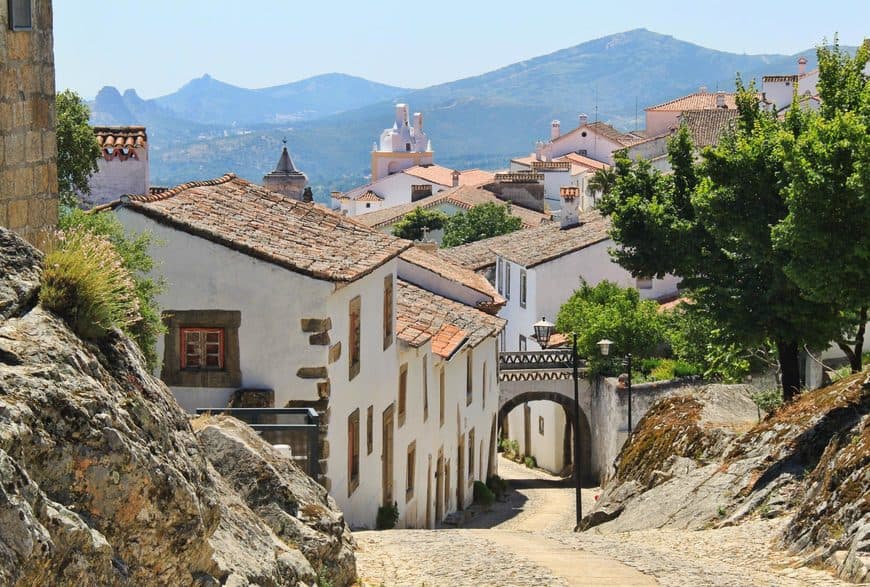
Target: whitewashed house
x=571, y=170
x=271, y=297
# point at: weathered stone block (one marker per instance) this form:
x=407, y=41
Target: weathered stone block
x=321, y=338
x=335, y=352
x=324, y=449
x=312, y=373
x=323, y=389
x=316, y=324
x=14, y=149
x=17, y=214
x=33, y=146
x=252, y=398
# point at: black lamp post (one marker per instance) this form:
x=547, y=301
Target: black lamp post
x=543, y=331
x=605, y=345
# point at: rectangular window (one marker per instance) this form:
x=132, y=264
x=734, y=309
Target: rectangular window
x=425, y=387
x=644, y=282
x=522, y=343
x=540, y=424
x=483, y=387
x=388, y=311
x=441, y=398
x=353, y=337
x=471, y=454
x=403, y=392
x=202, y=349
x=469, y=377
x=499, y=275
x=352, y=452
x=507, y=280
x=410, y=471
x=20, y=15
x=370, y=432
x=522, y=288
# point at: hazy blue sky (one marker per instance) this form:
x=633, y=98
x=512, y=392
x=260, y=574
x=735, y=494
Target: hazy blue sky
x=156, y=46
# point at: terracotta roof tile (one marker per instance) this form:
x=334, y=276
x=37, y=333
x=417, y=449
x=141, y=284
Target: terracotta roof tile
x=617, y=136
x=464, y=197
x=706, y=126
x=120, y=136
x=422, y=315
x=303, y=237
x=444, y=176
x=477, y=255
x=696, y=101
x=455, y=272
x=369, y=196
x=584, y=161
x=538, y=245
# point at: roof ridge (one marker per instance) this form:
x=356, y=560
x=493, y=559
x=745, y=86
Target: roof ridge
x=174, y=191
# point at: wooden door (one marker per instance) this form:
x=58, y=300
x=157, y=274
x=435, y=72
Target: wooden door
x=460, y=469
x=439, y=487
x=387, y=457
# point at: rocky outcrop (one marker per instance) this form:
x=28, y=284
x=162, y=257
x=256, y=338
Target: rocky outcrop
x=102, y=480
x=697, y=461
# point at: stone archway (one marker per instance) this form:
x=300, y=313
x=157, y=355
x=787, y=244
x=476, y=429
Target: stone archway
x=569, y=406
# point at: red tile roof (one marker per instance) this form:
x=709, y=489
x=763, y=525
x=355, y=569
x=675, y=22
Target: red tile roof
x=369, y=196
x=706, y=126
x=422, y=315
x=120, y=136
x=303, y=237
x=444, y=176
x=696, y=101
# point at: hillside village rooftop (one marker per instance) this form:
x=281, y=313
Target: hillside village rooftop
x=456, y=273
x=702, y=100
x=300, y=236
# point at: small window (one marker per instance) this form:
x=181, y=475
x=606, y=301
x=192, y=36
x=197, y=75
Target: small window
x=507, y=280
x=425, y=387
x=352, y=452
x=202, y=349
x=483, y=387
x=403, y=392
x=20, y=15
x=469, y=377
x=368, y=204
x=471, y=448
x=522, y=288
x=353, y=339
x=522, y=343
x=410, y=471
x=644, y=282
x=370, y=433
x=408, y=147
x=441, y=398
x=540, y=424
x=388, y=311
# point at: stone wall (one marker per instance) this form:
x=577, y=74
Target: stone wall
x=28, y=149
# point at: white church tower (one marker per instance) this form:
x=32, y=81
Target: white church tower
x=402, y=146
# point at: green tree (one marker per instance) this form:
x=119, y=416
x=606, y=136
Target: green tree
x=615, y=313
x=828, y=166
x=77, y=148
x=711, y=225
x=134, y=253
x=480, y=222
x=603, y=180
x=414, y=224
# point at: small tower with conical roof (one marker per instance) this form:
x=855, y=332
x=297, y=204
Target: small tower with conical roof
x=286, y=179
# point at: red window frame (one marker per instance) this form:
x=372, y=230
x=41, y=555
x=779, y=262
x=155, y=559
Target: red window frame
x=203, y=344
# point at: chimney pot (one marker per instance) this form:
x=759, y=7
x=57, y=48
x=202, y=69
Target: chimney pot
x=555, y=130
x=570, y=217
x=455, y=178
x=720, y=99
x=802, y=65
x=584, y=119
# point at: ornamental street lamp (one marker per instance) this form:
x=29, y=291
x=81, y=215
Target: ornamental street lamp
x=605, y=345
x=543, y=331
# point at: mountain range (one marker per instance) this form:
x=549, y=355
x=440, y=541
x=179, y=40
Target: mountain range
x=208, y=127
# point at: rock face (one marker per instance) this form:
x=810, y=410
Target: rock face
x=696, y=461
x=103, y=482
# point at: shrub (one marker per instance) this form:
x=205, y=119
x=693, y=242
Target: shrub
x=135, y=257
x=684, y=369
x=387, y=516
x=498, y=486
x=510, y=448
x=85, y=283
x=413, y=224
x=768, y=400
x=663, y=371
x=483, y=495
x=530, y=462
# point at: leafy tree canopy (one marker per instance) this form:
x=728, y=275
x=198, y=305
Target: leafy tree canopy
x=480, y=222
x=414, y=224
x=615, y=313
x=77, y=148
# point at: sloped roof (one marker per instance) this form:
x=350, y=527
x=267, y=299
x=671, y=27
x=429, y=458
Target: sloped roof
x=539, y=245
x=706, y=126
x=422, y=315
x=120, y=136
x=609, y=132
x=465, y=197
x=369, y=196
x=454, y=272
x=696, y=101
x=584, y=161
x=444, y=176
x=477, y=255
x=300, y=236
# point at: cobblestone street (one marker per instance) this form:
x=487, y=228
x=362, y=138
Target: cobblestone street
x=529, y=541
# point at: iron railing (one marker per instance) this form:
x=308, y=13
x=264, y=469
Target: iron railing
x=298, y=428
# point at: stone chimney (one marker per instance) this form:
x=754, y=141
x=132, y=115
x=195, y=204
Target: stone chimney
x=555, y=130
x=570, y=216
x=584, y=119
x=420, y=191
x=418, y=121
x=720, y=99
x=456, y=175
x=802, y=65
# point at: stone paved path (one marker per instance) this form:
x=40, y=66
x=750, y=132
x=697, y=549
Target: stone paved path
x=529, y=541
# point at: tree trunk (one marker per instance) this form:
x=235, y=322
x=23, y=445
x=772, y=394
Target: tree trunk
x=854, y=355
x=790, y=367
